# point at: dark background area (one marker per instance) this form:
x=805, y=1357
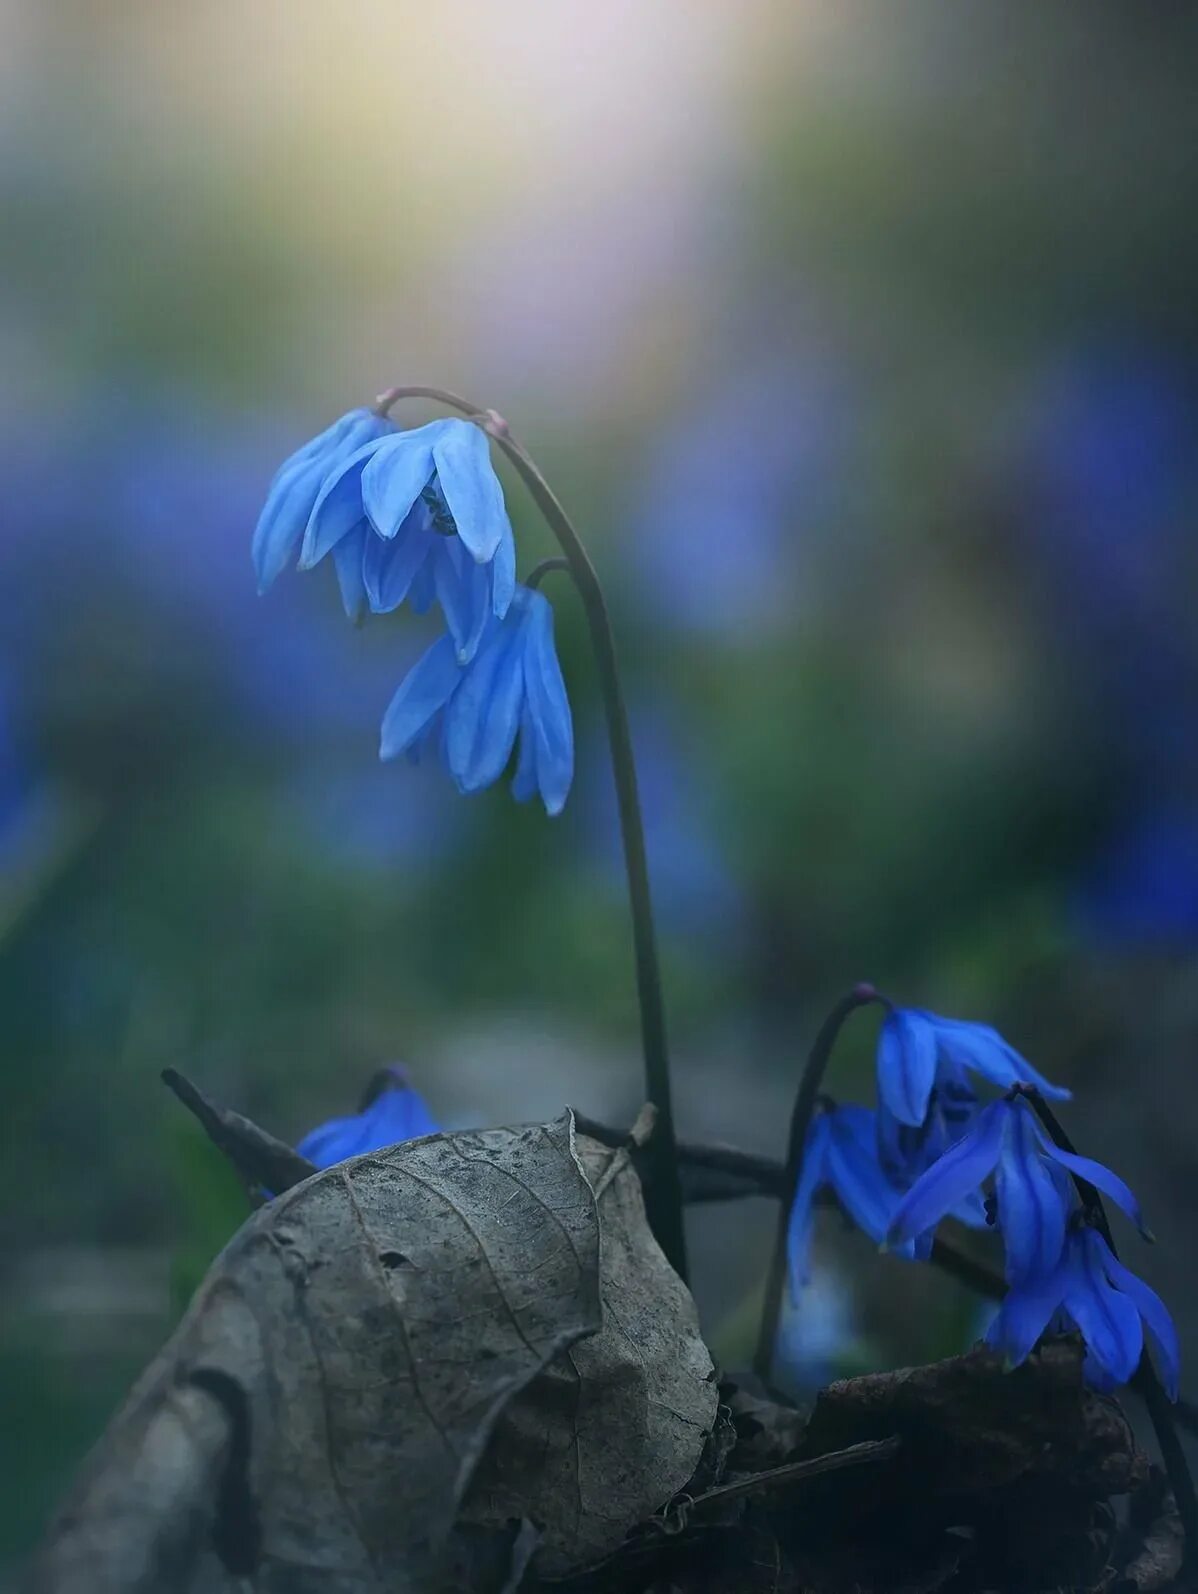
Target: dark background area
x=860, y=341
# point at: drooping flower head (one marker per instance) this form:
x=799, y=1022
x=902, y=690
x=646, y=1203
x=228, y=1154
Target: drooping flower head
x=413, y=515
x=512, y=686
x=391, y=1111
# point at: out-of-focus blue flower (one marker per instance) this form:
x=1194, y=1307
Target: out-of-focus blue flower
x=392, y=1112
x=1090, y=1289
x=841, y=1152
x=918, y=1049
x=1143, y=886
x=512, y=685
x=296, y=487
x=1006, y=1142
x=414, y=514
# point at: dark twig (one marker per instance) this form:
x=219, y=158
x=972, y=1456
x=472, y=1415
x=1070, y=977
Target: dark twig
x=800, y=1122
x=1146, y=1381
x=259, y=1158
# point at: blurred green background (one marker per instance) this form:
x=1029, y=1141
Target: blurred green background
x=861, y=342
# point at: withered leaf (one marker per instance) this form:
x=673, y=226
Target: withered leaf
x=616, y=1424
x=373, y=1322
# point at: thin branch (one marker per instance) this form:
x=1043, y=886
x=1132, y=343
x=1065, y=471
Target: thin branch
x=259, y=1158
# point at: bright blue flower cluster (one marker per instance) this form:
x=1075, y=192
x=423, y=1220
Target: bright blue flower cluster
x=933, y=1149
x=419, y=517
x=392, y=1112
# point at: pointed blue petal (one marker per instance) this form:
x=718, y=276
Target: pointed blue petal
x=1109, y=1321
x=981, y=1048
x=906, y=1064
x=422, y=694
x=961, y=1169
x=802, y=1212
x=1031, y=1213
x=464, y=593
x=397, y=474
x=1025, y=1314
x=548, y=705
x=390, y=567
x=470, y=487
x=422, y=594
x=524, y=781
x=333, y=1142
x=855, y=1174
x=347, y=560
x=1101, y=1178
x=1156, y=1318
x=503, y=575
x=396, y=1114
x=481, y=724
x=338, y=507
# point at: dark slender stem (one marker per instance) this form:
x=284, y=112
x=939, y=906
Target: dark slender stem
x=800, y=1123
x=663, y=1197
x=538, y=572
x=1146, y=1381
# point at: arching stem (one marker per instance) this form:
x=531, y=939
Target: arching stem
x=800, y=1122
x=663, y=1195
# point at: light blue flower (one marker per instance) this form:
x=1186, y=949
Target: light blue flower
x=416, y=513
x=916, y=1048
x=391, y=1112
x=296, y=487
x=512, y=685
x=1090, y=1289
x=1006, y=1142
x=841, y=1153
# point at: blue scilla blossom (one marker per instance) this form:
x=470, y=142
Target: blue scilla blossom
x=1032, y=1193
x=841, y=1153
x=473, y=712
x=296, y=487
x=1089, y=1289
x=416, y=514
x=392, y=1112
x=918, y=1049
x=906, y=1151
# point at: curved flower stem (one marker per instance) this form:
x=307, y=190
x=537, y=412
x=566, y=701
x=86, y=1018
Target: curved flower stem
x=800, y=1122
x=663, y=1197
x=1146, y=1382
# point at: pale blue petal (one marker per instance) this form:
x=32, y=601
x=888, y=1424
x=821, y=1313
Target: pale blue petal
x=548, y=706
x=1101, y=1178
x=906, y=1064
x=481, y=724
x=1156, y=1318
x=1031, y=1213
x=1109, y=1321
x=981, y=1048
x=1025, y=1314
x=961, y=1170
x=390, y=567
x=347, y=561
x=470, y=487
x=464, y=593
x=802, y=1211
x=503, y=575
x=524, y=781
x=423, y=693
x=338, y=507
x=396, y=476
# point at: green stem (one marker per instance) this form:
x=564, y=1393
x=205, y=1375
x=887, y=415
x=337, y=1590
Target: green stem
x=663, y=1194
x=800, y=1122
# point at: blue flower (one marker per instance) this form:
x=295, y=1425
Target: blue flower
x=1032, y=1197
x=1090, y=1289
x=841, y=1152
x=416, y=514
x=917, y=1049
x=391, y=1112
x=513, y=684
x=296, y=487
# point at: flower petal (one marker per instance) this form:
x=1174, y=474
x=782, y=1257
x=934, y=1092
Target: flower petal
x=390, y=567
x=481, y=724
x=524, y=781
x=1024, y=1315
x=906, y=1064
x=1109, y=1321
x=981, y=1048
x=802, y=1209
x=338, y=507
x=1156, y=1318
x=347, y=560
x=396, y=476
x=548, y=707
x=1101, y=1178
x=470, y=487
x=464, y=593
x=854, y=1172
x=1031, y=1212
x=958, y=1173
x=423, y=693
